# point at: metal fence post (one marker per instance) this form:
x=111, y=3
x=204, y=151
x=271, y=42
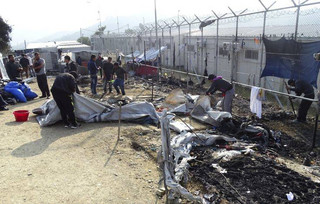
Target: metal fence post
x=217, y=41
x=263, y=34
x=297, y=23
x=261, y=50
x=234, y=61
x=179, y=43
x=170, y=45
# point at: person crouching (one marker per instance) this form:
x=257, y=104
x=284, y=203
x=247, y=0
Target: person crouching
x=63, y=88
x=219, y=84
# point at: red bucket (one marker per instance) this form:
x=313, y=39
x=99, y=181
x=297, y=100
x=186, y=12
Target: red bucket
x=21, y=115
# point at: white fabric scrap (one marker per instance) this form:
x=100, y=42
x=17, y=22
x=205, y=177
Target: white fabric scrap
x=255, y=103
x=180, y=126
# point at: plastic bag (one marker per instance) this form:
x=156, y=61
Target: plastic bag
x=28, y=93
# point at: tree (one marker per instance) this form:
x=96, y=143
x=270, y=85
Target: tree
x=84, y=40
x=5, y=38
x=100, y=30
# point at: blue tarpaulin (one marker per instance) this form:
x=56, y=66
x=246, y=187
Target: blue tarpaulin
x=290, y=59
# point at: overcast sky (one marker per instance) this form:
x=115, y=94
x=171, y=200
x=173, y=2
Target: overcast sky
x=34, y=19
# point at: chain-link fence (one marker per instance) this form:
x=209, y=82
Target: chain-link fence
x=229, y=45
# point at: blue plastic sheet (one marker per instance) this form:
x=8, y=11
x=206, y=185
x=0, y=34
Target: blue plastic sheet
x=13, y=88
x=290, y=59
x=21, y=92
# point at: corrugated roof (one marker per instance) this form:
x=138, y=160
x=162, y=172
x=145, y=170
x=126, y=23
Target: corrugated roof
x=56, y=44
x=73, y=46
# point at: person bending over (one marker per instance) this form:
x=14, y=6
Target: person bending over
x=62, y=89
x=302, y=87
x=219, y=84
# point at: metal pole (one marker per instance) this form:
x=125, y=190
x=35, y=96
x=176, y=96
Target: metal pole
x=159, y=61
x=156, y=21
x=189, y=54
x=234, y=54
x=217, y=47
x=179, y=46
x=144, y=52
x=120, y=105
x=152, y=91
x=162, y=40
x=170, y=45
x=201, y=54
x=261, y=51
x=315, y=131
x=297, y=23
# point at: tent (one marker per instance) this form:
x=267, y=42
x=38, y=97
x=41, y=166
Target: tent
x=89, y=110
x=135, y=54
x=3, y=69
x=151, y=54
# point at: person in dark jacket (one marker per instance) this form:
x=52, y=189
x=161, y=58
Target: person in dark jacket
x=219, y=84
x=75, y=75
x=62, y=89
x=79, y=61
x=3, y=104
x=70, y=65
x=92, y=67
x=121, y=76
x=108, y=75
x=13, y=69
x=24, y=62
x=302, y=87
x=99, y=63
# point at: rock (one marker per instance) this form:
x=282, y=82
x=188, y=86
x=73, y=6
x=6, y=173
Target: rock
x=161, y=192
x=307, y=161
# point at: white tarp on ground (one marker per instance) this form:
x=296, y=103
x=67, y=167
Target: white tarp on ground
x=182, y=144
x=89, y=110
x=3, y=69
x=202, y=111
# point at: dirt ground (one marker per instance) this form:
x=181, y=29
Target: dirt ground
x=87, y=165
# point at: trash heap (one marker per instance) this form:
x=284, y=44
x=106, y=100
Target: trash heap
x=232, y=161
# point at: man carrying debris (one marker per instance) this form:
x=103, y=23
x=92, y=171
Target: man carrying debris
x=108, y=73
x=92, y=67
x=39, y=66
x=13, y=69
x=121, y=76
x=302, y=87
x=218, y=83
x=70, y=65
x=63, y=88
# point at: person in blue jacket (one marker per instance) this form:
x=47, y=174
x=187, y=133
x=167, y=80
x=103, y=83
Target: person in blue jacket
x=93, y=69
